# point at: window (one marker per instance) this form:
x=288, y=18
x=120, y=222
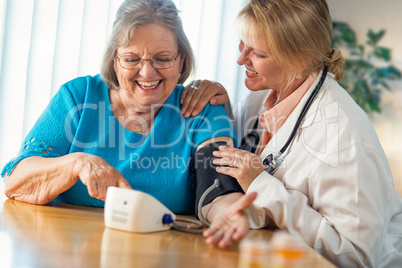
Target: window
x=45, y=43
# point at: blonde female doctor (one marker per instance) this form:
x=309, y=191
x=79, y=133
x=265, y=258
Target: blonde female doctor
x=321, y=175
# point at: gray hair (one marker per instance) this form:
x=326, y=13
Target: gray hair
x=133, y=13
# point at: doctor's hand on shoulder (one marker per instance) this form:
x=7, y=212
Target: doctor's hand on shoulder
x=199, y=93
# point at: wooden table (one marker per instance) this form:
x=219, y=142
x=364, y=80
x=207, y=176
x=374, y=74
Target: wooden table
x=62, y=235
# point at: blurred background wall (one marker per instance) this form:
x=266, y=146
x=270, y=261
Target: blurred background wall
x=362, y=15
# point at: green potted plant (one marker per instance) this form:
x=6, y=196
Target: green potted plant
x=368, y=68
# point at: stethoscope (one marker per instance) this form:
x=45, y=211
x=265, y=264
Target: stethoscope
x=251, y=140
x=250, y=143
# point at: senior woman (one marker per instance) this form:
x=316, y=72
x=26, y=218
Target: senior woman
x=323, y=175
x=123, y=128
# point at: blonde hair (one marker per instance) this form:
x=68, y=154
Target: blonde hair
x=298, y=32
x=134, y=13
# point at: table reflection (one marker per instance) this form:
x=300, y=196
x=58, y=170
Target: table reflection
x=62, y=235
x=174, y=249
x=43, y=236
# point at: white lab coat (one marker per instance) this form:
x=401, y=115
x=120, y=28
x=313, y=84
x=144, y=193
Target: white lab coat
x=335, y=187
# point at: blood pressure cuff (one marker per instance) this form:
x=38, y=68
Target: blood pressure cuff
x=205, y=175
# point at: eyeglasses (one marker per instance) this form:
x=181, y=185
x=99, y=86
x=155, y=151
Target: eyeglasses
x=133, y=62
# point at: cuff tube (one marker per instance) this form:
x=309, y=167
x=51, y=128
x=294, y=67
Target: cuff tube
x=205, y=175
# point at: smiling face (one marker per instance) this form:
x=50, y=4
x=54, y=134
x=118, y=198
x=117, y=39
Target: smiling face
x=147, y=86
x=269, y=59
x=262, y=69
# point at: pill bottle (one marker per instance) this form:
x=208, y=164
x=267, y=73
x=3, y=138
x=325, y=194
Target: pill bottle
x=287, y=251
x=254, y=253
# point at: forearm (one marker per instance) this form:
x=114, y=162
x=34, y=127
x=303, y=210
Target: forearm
x=39, y=180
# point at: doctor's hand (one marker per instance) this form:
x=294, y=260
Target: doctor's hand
x=232, y=225
x=97, y=175
x=239, y=164
x=198, y=93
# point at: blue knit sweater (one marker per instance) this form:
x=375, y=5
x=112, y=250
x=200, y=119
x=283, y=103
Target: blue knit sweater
x=79, y=118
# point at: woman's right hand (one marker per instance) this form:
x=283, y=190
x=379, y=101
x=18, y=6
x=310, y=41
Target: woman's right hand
x=198, y=93
x=98, y=175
